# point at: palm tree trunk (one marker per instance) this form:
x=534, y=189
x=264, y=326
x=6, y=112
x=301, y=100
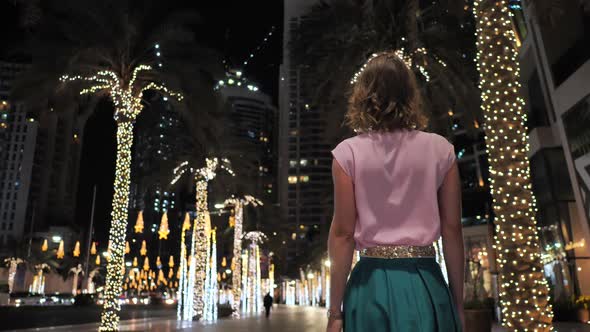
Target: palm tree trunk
x=237, y=266
x=523, y=289
x=198, y=252
x=114, y=280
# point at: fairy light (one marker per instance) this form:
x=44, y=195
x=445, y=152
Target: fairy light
x=409, y=59
x=146, y=264
x=76, y=271
x=252, y=291
x=164, y=230
x=524, y=294
x=127, y=99
x=244, y=282
x=210, y=309
x=60, y=250
x=182, y=269
x=238, y=206
x=12, y=263
x=194, y=297
x=76, y=252
x=143, y=250
x=139, y=223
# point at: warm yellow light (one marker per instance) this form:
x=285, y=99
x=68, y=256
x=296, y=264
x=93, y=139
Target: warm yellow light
x=139, y=223
x=44, y=246
x=60, y=250
x=164, y=231
x=143, y=250
x=76, y=252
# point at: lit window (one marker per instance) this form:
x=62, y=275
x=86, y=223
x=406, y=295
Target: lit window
x=304, y=178
x=303, y=162
x=293, y=236
x=292, y=163
x=292, y=179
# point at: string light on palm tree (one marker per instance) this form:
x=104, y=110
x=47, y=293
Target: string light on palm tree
x=238, y=219
x=253, y=288
x=76, y=271
x=524, y=293
x=126, y=95
x=193, y=302
x=12, y=263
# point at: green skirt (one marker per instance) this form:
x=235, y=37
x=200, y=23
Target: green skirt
x=402, y=294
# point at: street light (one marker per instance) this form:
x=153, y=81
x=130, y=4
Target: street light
x=327, y=263
x=56, y=239
x=219, y=206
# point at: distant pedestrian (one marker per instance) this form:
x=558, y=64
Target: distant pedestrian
x=267, y=304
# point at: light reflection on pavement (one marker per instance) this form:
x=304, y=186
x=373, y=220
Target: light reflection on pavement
x=282, y=319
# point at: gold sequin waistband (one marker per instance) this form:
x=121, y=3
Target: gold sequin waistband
x=399, y=252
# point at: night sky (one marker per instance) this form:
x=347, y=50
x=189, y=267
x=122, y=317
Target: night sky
x=236, y=28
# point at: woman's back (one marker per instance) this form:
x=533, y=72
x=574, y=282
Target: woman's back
x=396, y=177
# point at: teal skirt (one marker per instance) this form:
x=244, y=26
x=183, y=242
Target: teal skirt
x=402, y=294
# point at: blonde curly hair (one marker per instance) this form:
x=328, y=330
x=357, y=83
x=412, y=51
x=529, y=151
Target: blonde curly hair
x=385, y=97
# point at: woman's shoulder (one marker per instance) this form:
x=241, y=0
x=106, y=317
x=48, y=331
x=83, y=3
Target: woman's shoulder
x=432, y=138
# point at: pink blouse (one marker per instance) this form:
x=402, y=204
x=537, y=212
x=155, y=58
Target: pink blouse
x=396, y=177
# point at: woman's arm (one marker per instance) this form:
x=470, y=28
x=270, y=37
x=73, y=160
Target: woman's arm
x=449, y=201
x=341, y=238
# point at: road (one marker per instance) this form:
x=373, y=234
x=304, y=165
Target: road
x=283, y=319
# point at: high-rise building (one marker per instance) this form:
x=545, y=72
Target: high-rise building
x=17, y=151
x=40, y=160
x=304, y=176
x=161, y=141
x=250, y=134
x=555, y=71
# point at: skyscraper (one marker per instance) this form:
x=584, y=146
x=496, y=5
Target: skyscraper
x=304, y=176
x=17, y=151
x=251, y=134
x=40, y=159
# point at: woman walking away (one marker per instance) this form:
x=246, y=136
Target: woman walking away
x=396, y=191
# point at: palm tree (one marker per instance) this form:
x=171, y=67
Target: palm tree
x=193, y=301
x=523, y=288
x=336, y=37
x=119, y=50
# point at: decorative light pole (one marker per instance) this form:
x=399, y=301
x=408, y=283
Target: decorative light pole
x=524, y=294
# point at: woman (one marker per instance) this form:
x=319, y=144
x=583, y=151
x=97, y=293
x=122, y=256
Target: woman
x=396, y=191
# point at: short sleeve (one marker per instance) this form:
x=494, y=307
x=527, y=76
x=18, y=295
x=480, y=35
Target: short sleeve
x=447, y=160
x=345, y=158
